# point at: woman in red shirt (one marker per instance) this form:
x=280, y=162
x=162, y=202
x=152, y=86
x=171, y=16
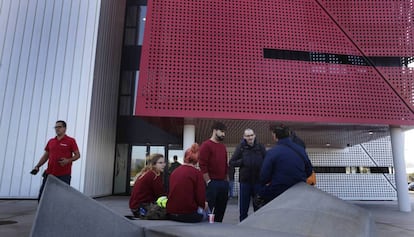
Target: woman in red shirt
x=148, y=185
x=187, y=195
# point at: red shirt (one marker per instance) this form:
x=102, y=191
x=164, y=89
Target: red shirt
x=213, y=160
x=147, y=188
x=187, y=190
x=57, y=149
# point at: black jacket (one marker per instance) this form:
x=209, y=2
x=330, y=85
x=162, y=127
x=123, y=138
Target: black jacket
x=249, y=159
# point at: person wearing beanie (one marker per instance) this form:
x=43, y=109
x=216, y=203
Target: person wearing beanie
x=284, y=165
x=213, y=165
x=187, y=195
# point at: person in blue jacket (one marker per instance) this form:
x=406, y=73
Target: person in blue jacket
x=285, y=165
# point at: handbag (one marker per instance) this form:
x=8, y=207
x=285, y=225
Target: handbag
x=311, y=180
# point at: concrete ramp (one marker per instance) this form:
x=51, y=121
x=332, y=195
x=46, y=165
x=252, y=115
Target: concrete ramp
x=308, y=211
x=65, y=212
x=300, y=211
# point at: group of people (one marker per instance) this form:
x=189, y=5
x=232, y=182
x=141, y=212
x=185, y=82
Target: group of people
x=264, y=175
x=201, y=184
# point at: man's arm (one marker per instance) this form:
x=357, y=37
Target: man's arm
x=206, y=178
x=65, y=161
x=42, y=160
x=236, y=159
x=266, y=171
x=203, y=162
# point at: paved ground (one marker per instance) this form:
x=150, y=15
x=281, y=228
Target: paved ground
x=16, y=216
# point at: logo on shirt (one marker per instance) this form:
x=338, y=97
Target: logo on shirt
x=63, y=144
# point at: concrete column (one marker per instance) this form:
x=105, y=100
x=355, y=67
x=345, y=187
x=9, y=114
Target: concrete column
x=397, y=142
x=189, y=136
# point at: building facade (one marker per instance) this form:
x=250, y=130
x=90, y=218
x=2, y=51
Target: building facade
x=337, y=72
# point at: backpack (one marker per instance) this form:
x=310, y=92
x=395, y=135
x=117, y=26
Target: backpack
x=151, y=211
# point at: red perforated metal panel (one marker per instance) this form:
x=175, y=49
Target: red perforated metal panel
x=205, y=59
x=379, y=27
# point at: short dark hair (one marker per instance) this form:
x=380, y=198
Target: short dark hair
x=62, y=122
x=175, y=157
x=281, y=131
x=219, y=126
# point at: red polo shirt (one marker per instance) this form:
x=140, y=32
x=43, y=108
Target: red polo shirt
x=57, y=149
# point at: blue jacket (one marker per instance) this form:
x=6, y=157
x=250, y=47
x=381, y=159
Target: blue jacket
x=283, y=168
x=249, y=159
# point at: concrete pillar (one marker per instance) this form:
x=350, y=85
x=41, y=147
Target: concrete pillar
x=397, y=142
x=189, y=136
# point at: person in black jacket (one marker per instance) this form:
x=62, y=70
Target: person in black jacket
x=249, y=156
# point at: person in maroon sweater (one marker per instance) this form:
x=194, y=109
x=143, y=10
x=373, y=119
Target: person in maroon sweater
x=187, y=196
x=213, y=165
x=148, y=185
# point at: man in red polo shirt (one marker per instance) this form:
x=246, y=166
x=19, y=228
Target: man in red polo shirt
x=60, y=152
x=213, y=165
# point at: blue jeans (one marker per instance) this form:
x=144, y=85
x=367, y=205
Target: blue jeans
x=231, y=187
x=247, y=193
x=217, y=195
x=64, y=178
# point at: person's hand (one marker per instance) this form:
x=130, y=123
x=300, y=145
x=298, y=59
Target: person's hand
x=34, y=171
x=206, y=206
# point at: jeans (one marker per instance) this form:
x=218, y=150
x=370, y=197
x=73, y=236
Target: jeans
x=231, y=187
x=217, y=196
x=64, y=178
x=247, y=193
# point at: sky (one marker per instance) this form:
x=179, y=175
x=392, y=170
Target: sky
x=409, y=151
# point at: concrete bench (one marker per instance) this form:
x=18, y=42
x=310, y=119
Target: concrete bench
x=300, y=211
x=304, y=209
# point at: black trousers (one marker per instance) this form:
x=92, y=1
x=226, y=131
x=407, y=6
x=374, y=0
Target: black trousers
x=188, y=218
x=217, y=196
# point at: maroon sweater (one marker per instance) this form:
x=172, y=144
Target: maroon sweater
x=146, y=189
x=187, y=190
x=213, y=160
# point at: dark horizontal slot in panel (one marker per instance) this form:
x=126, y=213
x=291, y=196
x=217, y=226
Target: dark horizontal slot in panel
x=343, y=170
x=336, y=58
x=329, y=169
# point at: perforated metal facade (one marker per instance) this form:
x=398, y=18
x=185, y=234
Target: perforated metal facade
x=205, y=59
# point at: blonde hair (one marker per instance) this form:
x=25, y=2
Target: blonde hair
x=150, y=165
x=191, y=154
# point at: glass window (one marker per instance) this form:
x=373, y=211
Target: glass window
x=141, y=27
x=138, y=155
